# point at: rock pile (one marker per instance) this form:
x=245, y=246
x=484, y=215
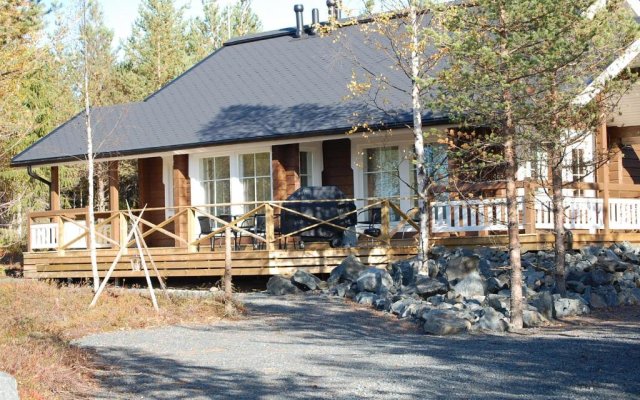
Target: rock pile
x=467, y=290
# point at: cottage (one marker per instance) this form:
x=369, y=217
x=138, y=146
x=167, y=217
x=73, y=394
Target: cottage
x=234, y=136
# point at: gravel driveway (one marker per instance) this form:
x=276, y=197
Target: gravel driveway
x=318, y=347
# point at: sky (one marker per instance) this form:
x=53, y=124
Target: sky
x=274, y=14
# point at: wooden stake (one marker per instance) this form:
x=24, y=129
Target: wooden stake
x=146, y=270
x=103, y=284
x=140, y=239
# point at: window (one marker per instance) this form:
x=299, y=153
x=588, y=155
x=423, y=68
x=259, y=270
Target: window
x=305, y=168
x=381, y=172
x=539, y=165
x=436, y=167
x=217, y=183
x=255, y=176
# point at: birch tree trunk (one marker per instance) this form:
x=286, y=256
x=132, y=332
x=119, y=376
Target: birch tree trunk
x=418, y=139
x=91, y=245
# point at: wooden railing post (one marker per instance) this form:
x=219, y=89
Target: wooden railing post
x=29, y=238
x=269, y=227
x=60, y=222
x=191, y=224
x=385, y=222
x=122, y=226
x=529, y=209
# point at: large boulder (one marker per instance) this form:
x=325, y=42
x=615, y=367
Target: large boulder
x=533, y=278
x=347, y=271
x=604, y=296
x=427, y=287
x=531, y=319
x=569, y=307
x=401, y=306
x=499, y=303
x=460, y=266
x=498, y=283
x=472, y=285
x=341, y=289
x=543, y=302
x=492, y=321
x=444, y=322
x=629, y=297
x=404, y=272
x=366, y=298
x=374, y=280
x=305, y=280
x=598, y=277
x=8, y=387
x=278, y=285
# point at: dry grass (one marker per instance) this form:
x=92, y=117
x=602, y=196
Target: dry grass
x=38, y=321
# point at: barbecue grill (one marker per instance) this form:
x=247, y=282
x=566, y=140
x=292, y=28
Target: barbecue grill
x=323, y=209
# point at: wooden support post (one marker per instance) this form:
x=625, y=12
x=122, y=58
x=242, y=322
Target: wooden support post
x=181, y=197
x=54, y=204
x=55, y=189
x=529, y=208
x=385, y=222
x=191, y=226
x=604, y=150
x=114, y=199
x=269, y=227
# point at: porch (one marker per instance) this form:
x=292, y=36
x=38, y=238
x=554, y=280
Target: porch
x=57, y=239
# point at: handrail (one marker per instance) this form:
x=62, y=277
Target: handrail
x=473, y=215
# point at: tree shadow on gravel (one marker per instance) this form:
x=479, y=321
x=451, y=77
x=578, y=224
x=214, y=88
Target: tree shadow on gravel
x=135, y=374
x=324, y=349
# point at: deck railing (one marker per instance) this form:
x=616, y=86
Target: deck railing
x=67, y=229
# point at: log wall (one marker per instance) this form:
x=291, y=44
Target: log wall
x=152, y=196
x=336, y=156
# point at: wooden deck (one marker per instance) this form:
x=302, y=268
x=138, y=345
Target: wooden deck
x=180, y=262
x=174, y=262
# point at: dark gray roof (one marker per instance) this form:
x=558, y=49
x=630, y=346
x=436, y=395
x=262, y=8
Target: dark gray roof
x=265, y=86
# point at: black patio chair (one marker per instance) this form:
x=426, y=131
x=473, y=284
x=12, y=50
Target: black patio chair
x=205, y=229
x=374, y=215
x=228, y=218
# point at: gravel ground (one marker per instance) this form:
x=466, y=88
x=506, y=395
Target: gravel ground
x=322, y=348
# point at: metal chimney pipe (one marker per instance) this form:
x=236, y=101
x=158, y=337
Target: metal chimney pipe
x=299, y=8
x=315, y=21
x=331, y=4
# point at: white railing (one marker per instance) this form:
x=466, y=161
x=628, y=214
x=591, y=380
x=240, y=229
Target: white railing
x=470, y=215
x=44, y=236
x=624, y=214
x=580, y=213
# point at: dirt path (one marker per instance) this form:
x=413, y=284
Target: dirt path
x=314, y=347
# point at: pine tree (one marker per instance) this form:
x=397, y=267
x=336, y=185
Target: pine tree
x=157, y=50
x=577, y=41
x=515, y=68
x=220, y=24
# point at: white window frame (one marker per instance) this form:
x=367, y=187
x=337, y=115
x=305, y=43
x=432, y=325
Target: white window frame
x=237, y=191
x=255, y=176
x=317, y=164
x=405, y=152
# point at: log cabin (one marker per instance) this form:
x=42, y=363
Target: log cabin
x=228, y=141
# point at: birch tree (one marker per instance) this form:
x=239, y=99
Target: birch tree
x=91, y=245
x=403, y=33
